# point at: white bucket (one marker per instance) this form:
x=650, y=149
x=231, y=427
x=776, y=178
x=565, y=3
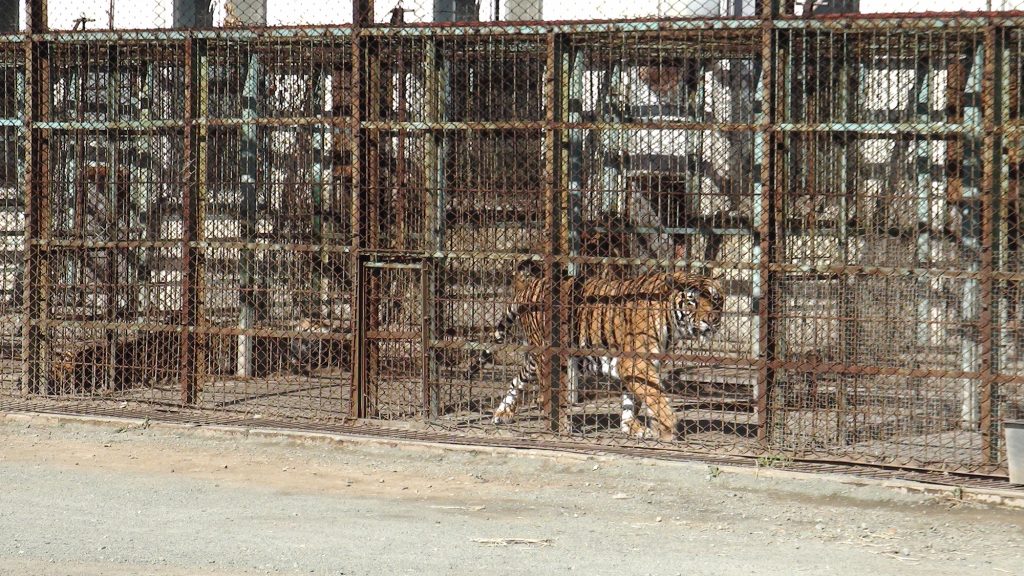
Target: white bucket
x=1014, y=430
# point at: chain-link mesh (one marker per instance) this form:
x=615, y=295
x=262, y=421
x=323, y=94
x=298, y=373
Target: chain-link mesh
x=778, y=230
x=156, y=14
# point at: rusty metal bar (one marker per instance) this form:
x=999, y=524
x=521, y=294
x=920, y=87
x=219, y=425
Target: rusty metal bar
x=36, y=284
x=436, y=83
x=769, y=150
x=357, y=111
x=556, y=237
x=37, y=16
x=318, y=149
x=428, y=319
x=435, y=105
x=362, y=13
x=367, y=186
x=359, y=394
x=991, y=191
x=1002, y=206
x=114, y=224
x=194, y=178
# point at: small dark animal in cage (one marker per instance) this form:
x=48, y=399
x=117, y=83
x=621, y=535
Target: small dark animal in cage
x=642, y=314
x=320, y=346
x=115, y=364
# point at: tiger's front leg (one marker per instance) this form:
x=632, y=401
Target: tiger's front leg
x=506, y=411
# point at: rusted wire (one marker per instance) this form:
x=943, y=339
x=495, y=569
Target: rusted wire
x=316, y=219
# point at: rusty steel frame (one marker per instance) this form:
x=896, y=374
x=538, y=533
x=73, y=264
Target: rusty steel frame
x=769, y=228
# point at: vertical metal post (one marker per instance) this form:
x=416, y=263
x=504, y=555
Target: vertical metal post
x=434, y=107
x=971, y=250
x=570, y=169
x=251, y=293
x=193, y=198
x=366, y=83
x=362, y=13
x=249, y=289
x=1000, y=244
x=849, y=83
x=318, y=150
x=555, y=248
x=574, y=67
x=991, y=188
x=357, y=404
x=37, y=11
x=612, y=141
x=148, y=193
x=769, y=151
x=431, y=397
x=444, y=112
x=114, y=223
x=923, y=158
x=759, y=216
x=35, y=286
x=434, y=103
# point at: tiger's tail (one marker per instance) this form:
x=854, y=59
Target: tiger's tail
x=527, y=270
x=484, y=357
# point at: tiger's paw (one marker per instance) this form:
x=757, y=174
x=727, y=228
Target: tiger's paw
x=503, y=415
x=666, y=434
x=633, y=428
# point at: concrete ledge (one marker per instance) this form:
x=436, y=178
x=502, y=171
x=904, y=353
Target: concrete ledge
x=988, y=496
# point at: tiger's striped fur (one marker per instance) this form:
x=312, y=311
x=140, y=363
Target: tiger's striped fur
x=639, y=315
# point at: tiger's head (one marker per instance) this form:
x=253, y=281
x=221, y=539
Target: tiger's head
x=697, y=306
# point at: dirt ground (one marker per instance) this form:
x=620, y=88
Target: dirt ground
x=92, y=499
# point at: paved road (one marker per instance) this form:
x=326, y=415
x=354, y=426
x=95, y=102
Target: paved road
x=86, y=499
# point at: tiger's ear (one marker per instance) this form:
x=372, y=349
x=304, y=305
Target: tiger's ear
x=713, y=287
x=530, y=268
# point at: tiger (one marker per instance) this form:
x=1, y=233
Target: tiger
x=643, y=314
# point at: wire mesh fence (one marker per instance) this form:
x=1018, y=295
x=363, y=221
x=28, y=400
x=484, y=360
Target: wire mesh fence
x=724, y=226
x=157, y=14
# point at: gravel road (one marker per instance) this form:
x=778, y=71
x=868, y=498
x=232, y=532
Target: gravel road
x=106, y=499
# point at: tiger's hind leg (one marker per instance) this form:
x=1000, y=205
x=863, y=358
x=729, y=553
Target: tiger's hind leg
x=641, y=379
x=506, y=410
x=630, y=424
